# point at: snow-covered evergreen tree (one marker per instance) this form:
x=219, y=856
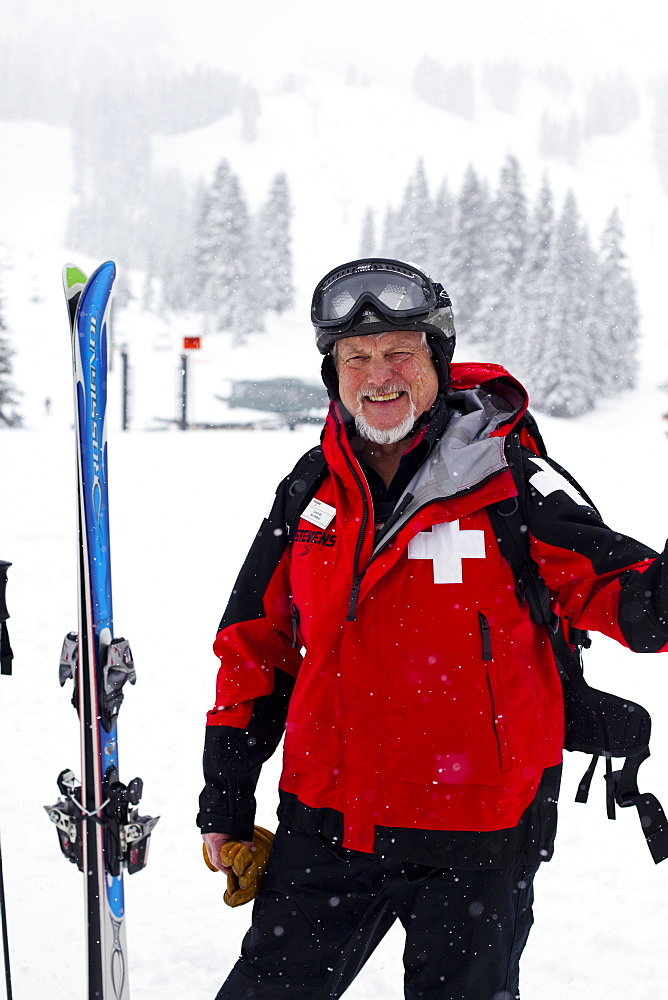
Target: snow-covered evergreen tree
x=564, y=383
x=9, y=416
x=617, y=313
x=414, y=219
x=272, y=253
x=390, y=245
x=470, y=257
x=529, y=302
x=439, y=253
x=169, y=272
x=222, y=245
x=508, y=245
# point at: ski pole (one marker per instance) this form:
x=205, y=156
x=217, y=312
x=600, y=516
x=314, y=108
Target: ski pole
x=5, y=936
x=6, y=668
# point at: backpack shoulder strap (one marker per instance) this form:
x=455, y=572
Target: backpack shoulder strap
x=301, y=485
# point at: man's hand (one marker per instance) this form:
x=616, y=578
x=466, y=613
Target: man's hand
x=214, y=842
x=246, y=862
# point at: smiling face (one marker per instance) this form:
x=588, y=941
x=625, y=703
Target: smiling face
x=386, y=381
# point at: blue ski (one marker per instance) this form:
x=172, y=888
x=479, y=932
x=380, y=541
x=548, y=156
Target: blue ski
x=99, y=828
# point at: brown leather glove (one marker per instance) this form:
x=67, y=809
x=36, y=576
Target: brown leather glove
x=247, y=867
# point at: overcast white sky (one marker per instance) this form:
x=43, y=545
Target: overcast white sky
x=587, y=34
x=267, y=39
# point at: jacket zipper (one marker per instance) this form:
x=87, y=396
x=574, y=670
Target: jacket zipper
x=357, y=576
x=488, y=657
x=294, y=615
x=486, y=637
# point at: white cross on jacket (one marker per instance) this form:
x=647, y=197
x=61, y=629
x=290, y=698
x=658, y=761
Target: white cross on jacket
x=447, y=546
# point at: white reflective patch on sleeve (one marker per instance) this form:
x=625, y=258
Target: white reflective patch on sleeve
x=550, y=481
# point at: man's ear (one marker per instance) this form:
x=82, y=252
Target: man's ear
x=330, y=376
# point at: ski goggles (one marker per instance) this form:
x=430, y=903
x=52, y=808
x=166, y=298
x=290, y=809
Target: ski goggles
x=395, y=290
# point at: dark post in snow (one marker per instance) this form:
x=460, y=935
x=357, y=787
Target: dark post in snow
x=183, y=418
x=125, y=409
x=189, y=344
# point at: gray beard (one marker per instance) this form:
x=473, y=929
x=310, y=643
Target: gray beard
x=389, y=436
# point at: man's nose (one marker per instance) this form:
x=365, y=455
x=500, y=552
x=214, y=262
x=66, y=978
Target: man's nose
x=381, y=370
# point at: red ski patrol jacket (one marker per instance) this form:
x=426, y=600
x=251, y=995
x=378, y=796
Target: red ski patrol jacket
x=425, y=698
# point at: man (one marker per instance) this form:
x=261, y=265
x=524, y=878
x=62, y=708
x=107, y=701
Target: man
x=424, y=722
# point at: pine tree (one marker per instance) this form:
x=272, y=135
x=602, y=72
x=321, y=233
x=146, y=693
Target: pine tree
x=530, y=298
x=9, y=416
x=222, y=249
x=617, y=313
x=507, y=252
x=414, y=219
x=470, y=260
x=439, y=253
x=169, y=273
x=390, y=245
x=564, y=383
x=273, y=256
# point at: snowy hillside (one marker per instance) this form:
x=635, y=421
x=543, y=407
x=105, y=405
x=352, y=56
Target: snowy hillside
x=180, y=528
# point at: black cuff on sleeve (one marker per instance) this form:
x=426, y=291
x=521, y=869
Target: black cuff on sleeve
x=643, y=606
x=233, y=759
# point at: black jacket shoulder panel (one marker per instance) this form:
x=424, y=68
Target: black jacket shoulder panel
x=246, y=600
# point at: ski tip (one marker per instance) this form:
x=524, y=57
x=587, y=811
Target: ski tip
x=74, y=279
x=105, y=274
x=110, y=266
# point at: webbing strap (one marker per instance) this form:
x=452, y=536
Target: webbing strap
x=302, y=483
x=585, y=782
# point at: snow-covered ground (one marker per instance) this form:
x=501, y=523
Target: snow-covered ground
x=179, y=530
x=181, y=525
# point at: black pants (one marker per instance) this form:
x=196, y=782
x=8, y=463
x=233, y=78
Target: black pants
x=323, y=910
